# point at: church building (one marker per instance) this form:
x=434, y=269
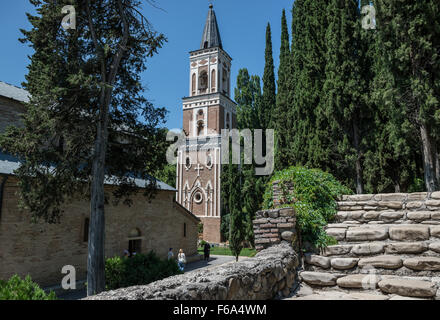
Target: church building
x=206, y=111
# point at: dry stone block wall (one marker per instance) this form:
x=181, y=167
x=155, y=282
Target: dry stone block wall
x=271, y=273
x=273, y=226
x=388, y=248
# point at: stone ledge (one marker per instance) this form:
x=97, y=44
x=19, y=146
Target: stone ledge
x=270, y=273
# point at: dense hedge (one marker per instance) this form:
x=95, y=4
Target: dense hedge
x=17, y=289
x=314, y=198
x=138, y=270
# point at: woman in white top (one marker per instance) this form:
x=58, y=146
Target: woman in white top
x=181, y=260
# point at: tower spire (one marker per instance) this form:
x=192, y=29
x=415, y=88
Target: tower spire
x=211, y=35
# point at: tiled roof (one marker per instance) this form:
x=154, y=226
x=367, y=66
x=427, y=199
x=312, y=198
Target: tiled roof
x=211, y=35
x=13, y=92
x=8, y=164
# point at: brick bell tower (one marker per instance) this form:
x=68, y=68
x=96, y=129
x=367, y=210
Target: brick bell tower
x=206, y=111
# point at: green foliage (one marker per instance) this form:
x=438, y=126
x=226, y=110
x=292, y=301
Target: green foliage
x=314, y=199
x=200, y=228
x=138, y=270
x=17, y=289
x=167, y=175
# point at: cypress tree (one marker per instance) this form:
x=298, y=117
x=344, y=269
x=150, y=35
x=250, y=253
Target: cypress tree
x=309, y=140
x=410, y=34
x=343, y=105
x=281, y=123
x=269, y=91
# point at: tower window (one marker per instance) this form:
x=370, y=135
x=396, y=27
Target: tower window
x=200, y=128
x=188, y=163
x=184, y=230
x=198, y=197
x=203, y=81
x=205, y=45
x=193, y=84
x=213, y=82
x=228, y=122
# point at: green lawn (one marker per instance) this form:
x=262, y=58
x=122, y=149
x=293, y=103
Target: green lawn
x=226, y=252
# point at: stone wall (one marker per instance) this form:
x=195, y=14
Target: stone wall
x=41, y=249
x=273, y=226
x=271, y=273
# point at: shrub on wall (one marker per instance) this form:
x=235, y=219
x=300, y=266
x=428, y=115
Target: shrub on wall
x=138, y=270
x=17, y=289
x=314, y=195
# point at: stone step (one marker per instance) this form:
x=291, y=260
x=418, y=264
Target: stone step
x=365, y=286
x=386, y=247
x=380, y=264
x=388, y=216
x=404, y=233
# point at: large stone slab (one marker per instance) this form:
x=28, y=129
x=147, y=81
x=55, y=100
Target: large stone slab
x=344, y=263
x=319, y=278
x=391, y=204
x=435, y=195
x=366, y=249
x=419, y=215
x=406, y=247
x=408, y=288
x=359, y=281
x=409, y=233
x=367, y=296
x=423, y=263
x=367, y=234
x=390, y=216
x=337, y=250
x=385, y=262
x=318, y=261
x=435, y=215
x=338, y=234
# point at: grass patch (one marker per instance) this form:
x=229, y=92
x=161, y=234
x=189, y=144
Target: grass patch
x=218, y=251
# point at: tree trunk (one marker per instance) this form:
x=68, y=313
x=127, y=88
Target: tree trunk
x=428, y=159
x=359, y=173
x=95, y=259
x=437, y=166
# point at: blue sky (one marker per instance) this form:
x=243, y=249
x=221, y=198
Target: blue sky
x=242, y=26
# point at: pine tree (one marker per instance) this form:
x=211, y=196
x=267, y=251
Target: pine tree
x=281, y=123
x=269, y=90
x=410, y=34
x=87, y=119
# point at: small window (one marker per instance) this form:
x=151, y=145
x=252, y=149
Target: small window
x=184, y=230
x=198, y=197
x=200, y=128
x=188, y=163
x=86, y=230
x=134, y=246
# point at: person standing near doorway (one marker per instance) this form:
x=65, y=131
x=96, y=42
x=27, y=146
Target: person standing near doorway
x=170, y=254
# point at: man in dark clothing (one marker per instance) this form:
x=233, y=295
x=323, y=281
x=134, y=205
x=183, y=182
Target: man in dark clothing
x=206, y=250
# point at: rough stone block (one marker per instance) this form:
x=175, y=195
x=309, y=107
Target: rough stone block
x=433, y=203
x=414, y=205
x=409, y=288
x=407, y=247
x=338, y=234
x=391, y=216
x=371, y=215
x=423, y=263
x=367, y=249
x=319, y=278
x=337, y=250
x=393, y=197
x=288, y=235
x=435, y=215
x=359, y=281
x=435, y=247
x=385, y=262
x=417, y=196
x=344, y=263
x=435, y=195
x=435, y=231
x=409, y=233
x=274, y=213
x=391, y=204
x=367, y=234
x=355, y=215
x=287, y=212
x=318, y=261
x=419, y=215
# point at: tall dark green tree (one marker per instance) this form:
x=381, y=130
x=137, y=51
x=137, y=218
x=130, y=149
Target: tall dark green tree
x=237, y=225
x=269, y=89
x=343, y=106
x=410, y=34
x=309, y=142
x=87, y=119
x=280, y=116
